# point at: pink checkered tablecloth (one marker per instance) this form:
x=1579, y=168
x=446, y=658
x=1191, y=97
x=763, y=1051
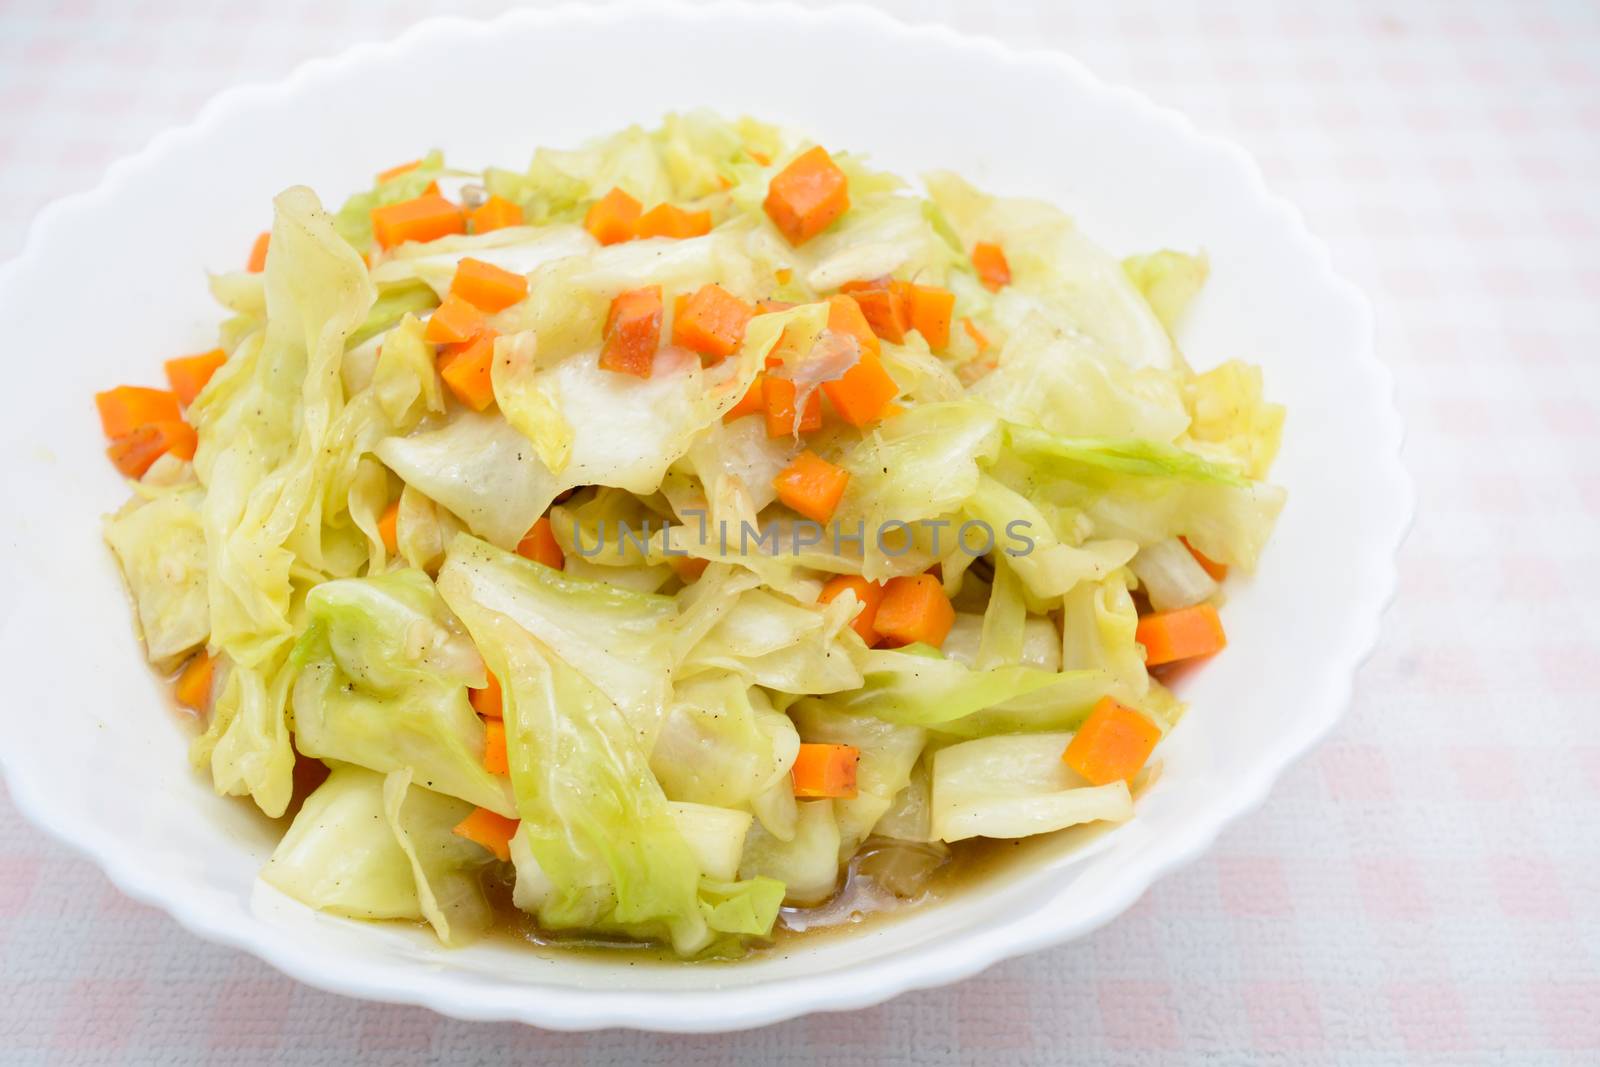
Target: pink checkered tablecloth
x=1424, y=888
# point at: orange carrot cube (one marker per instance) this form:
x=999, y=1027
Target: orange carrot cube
x=613, y=218
x=491, y=830
x=134, y=451
x=931, y=310
x=466, y=368
x=665, y=220
x=993, y=270
x=711, y=322
x=258, y=254
x=1169, y=636
x=454, y=322
x=887, y=309
x=494, y=747
x=540, y=545
x=193, y=689
x=825, y=771
x=486, y=286
x=806, y=197
x=128, y=407
x=749, y=404
x=495, y=213
x=914, y=610
x=778, y=399
x=426, y=218
x=189, y=374
x=633, y=332
x=862, y=392
x=812, y=486
x=1112, y=744
x=389, y=528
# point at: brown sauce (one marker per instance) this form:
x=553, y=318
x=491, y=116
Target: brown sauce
x=860, y=903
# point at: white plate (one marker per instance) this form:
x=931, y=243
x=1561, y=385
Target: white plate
x=111, y=283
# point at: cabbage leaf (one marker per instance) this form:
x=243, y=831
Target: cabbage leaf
x=596, y=822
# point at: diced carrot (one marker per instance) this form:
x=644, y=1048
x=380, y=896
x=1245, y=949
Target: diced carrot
x=128, y=407
x=845, y=316
x=914, y=609
x=193, y=689
x=495, y=213
x=890, y=410
x=812, y=486
x=712, y=322
x=491, y=830
x=189, y=374
x=861, y=394
x=494, y=747
x=488, y=701
x=389, y=528
x=825, y=770
x=870, y=594
x=665, y=220
x=397, y=170
x=1112, y=744
x=135, y=451
x=454, y=322
x=886, y=309
x=993, y=270
x=258, y=254
x=1169, y=636
x=426, y=218
x=931, y=310
x=749, y=404
x=903, y=291
x=465, y=369
x=540, y=545
x=805, y=197
x=861, y=285
x=432, y=189
x=979, y=338
x=646, y=297
x=688, y=568
x=777, y=398
x=783, y=274
x=613, y=218
x=1218, y=571
x=760, y=157
x=633, y=332
x=486, y=286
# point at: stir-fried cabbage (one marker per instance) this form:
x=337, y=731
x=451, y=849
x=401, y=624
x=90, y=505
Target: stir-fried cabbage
x=551, y=621
x=161, y=544
x=807, y=863
x=1014, y=785
x=372, y=846
x=597, y=821
x=382, y=683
